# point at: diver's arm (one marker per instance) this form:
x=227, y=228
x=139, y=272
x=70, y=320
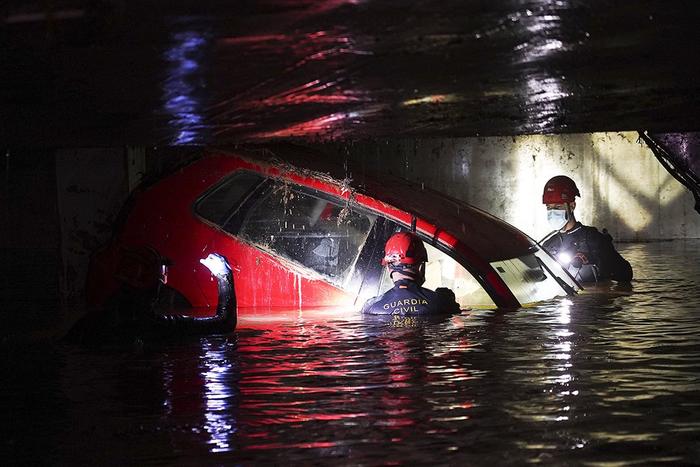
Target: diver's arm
x=448, y=298
x=225, y=319
x=611, y=262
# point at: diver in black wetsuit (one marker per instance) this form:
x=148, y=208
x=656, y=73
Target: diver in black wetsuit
x=135, y=312
x=405, y=256
x=588, y=254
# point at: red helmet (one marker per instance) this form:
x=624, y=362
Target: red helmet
x=404, y=248
x=560, y=189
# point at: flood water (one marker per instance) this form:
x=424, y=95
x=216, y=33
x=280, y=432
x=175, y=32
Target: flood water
x=610, y=377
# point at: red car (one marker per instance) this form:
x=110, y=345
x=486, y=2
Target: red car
x=298, y=239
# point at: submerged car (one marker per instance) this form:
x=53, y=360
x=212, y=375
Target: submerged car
x=299, y=239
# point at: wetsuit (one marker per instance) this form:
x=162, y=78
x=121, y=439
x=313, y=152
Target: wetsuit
x=407, y=298
x=604, y=262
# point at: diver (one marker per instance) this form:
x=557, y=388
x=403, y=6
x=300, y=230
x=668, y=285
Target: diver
x=137, y=313
x=588, y=254
x=405, y=257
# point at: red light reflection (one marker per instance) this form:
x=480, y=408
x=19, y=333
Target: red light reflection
x=294, y=384
x=331, y=125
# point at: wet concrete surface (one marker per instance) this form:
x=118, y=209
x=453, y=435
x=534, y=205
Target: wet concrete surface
x=114, y=72
x=609, y=377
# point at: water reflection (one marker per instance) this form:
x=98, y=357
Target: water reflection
x=201, y=393
x=312, y=93
x=219, y=394
x=607, y=377
x=541, y=37
x=184, y=84
x=543, y=94
x=334, y=125
x=561, y=349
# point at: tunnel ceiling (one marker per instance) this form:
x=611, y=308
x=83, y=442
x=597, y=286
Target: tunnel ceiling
x=112, y=72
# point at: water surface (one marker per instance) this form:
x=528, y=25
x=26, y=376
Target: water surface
x=610, y=377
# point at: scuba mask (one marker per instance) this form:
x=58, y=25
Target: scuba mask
x=557, y=218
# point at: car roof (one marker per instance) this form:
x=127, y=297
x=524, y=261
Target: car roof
x=491, y=238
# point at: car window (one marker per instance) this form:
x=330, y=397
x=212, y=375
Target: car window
x=441, y=270
x=531, y=277
x=310, y=228
x=220, y=204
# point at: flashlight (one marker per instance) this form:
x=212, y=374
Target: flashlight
x=217, y=264
x=564, y=258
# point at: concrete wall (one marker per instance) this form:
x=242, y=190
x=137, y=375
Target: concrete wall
x=29, y=235
x=623, y=187
x=91, y=187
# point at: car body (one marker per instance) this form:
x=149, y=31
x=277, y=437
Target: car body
x=301, y=239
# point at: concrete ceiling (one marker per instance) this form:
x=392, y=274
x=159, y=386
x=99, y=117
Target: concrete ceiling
x=113, y=72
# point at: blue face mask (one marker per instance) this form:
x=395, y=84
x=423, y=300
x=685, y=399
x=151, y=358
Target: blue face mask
x=557, y=218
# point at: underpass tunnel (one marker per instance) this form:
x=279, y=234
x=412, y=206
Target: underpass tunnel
x=624, y=189
x=148, y=176
x=482, y=103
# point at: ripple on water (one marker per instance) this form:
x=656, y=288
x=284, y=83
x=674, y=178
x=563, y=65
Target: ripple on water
x=611, y=376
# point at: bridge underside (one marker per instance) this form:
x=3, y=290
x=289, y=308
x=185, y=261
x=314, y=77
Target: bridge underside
x=81, y=73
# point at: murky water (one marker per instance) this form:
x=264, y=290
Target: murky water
x=610, y=377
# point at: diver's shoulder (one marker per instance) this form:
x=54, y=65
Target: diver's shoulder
x=429, y=293
x=588, y=230
x=603, y=235
x=444, y=296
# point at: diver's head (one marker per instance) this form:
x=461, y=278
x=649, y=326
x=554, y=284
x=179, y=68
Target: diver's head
x=559, y=196
x=405, y=256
